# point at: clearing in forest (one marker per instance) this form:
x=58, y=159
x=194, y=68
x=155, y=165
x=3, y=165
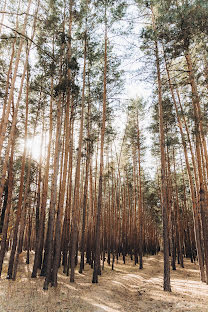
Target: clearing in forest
x=126, y=289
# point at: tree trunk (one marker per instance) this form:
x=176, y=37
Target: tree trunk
x=77, y=174
x=50, y=230
x=199, y=138
x=140, y=208
x=40, y=235
x=7, y=212
x=89, y=145
x=99, y=204
x=164, y=203
x=6, y=116
x=19, y=205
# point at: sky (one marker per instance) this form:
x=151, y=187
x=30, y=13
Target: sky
x=127, y=46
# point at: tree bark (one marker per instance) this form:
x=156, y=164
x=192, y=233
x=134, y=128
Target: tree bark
x=164, y=203
x=77, y=174
x=99, y=204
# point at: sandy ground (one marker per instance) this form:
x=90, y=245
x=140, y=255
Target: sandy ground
x=126, y=289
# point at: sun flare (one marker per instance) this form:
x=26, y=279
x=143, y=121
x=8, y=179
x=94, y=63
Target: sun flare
x=36, y=146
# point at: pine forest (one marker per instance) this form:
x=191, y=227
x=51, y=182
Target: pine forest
x=103, y=155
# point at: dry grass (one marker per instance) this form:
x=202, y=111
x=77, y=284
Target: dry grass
x=126, y=289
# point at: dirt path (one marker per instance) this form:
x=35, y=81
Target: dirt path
x=126, y=289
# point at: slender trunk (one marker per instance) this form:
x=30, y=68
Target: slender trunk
x=11, y=94
x=22, y=221
x=99, y=204
x=7, y=85
x=140, y=209
x=135, y=207
x=40, y=234
x=29, y=237
x=37, y=215
x=49, y=241
x=57, y=243
x=85, y=189
x=199, y=137
x=69, y=197
x=178, y=220
x=191, y=183
x=7, y=212
x=14, y=119
x=19, y=205
x=164, y=203
x=77, y=174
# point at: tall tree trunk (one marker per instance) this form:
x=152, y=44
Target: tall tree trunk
x=40, y=235
x=84, y=204
x=7, y=85
x=14, y=119
x=62, y=191
x=20, y=198
x=178, y=220
x=199, y=138
x=16, y=66
x=23, y=220
x=7, y=212
x=191, y=183
x=164, y=202
x=99, y=204
x=140, y=201
x=77, y=174
x=50, y=230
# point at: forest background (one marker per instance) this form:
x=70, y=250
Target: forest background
x=103, y=138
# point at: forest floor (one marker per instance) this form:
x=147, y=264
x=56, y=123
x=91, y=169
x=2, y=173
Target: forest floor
x=126, y=289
